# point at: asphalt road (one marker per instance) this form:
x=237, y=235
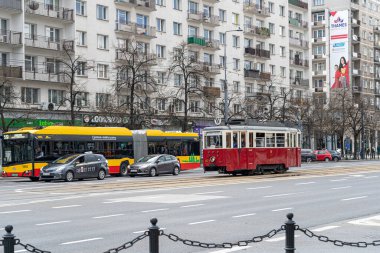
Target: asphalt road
x=339, y=200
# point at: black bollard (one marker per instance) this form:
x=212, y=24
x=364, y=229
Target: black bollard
x=154, y=233
x=289, y=234
x=9, y=240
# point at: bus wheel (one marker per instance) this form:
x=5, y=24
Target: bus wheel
x=124, y=169
x=34, y=179
x=69, y=177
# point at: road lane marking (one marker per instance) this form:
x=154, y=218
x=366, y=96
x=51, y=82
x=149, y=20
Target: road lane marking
x=243, y=215
x=260, y=187
x=192, y=205
x=52, y=223
x=282, y=209
x=338, y=180
x=108, y=216
x=340, y=188
x=279, y=195
x=21, y=250
x=369, y=221
x=237, y=248
x=17, y=211
x=200, y=222
x=59, y=207
x=209, y=192
x=361, y=197
x=324, y=228
x=85, y=240
x=356, y=175
x=155, y=210
x=305, y=183
x=278, y=239
x=371, y=177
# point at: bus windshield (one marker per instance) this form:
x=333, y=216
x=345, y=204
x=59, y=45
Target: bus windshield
x=17, y=151
x=65, y=159
x=213, y=140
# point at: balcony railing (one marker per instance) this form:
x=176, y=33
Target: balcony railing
x=300, y=82
x=11, y=4
x=298, y=23
x=298, y=42
x=252, y=7
x=299, y=62
x=210, y=68
x=203, y=42
x=299, y=3
x=258, y=52
x=259, y=31
x=45, y=76
x=48, y=10
x=10, y=37
x=148, y=58
x=143, y=4
x=136, y=29
x=11, y=71
x=204, y=18
x=211, y=92
x=257, y=74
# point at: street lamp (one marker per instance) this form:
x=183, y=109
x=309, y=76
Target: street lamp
x=225, y=76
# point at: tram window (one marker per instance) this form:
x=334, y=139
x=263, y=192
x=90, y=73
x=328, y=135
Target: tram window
x=213, y=141
x=235, y=139
x=288, y=140
x=280, y=140
x=260, y=139
x=228, y=140
x=250, y=140
x=242, y=139
x=270, y=140
x=294, y=140
x=299, y=140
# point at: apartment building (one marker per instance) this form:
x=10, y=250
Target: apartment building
x=267, y=49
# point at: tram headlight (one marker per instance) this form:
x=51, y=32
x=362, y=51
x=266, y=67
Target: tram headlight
x=212, y=159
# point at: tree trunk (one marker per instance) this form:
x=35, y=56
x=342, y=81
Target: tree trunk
x=185, y=118
x=4, y=126
x=72, y=99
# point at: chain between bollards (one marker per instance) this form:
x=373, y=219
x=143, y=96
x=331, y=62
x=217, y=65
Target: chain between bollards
x=154, y=233
x=290, y=226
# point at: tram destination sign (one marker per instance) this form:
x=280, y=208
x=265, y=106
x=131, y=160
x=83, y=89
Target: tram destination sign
x=15, y=136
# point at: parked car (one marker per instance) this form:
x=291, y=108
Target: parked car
x=307, y=155
x=336, y=156
x=154, y=165
x=323, y=155
x=76, y=166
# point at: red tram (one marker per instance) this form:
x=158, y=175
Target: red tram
x=248, y=149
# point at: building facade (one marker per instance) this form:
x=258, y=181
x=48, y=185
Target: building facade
x=267, y=46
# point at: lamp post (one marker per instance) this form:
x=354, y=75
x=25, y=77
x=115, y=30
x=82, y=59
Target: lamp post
x=225, y=76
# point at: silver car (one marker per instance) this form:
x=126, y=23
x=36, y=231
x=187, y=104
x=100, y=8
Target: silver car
x=77, y=166
x=154, y=165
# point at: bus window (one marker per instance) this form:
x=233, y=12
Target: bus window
x=260, y=140
x=270, y=140
x=228, y=140
x=251, y=140
x=213, y=140
x=235, y=140
x=280, y=140
x=242, y=139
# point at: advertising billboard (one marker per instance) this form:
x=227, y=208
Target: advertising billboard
x=339, y=56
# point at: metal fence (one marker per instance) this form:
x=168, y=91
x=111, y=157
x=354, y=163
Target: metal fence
x=154, y=233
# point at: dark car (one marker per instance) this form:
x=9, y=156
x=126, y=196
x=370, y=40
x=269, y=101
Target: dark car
x=76, y=166
x=154, y=165
x=307, y=155
x=336, y=156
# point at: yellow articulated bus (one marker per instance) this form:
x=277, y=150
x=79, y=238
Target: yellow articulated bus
x=27, y=150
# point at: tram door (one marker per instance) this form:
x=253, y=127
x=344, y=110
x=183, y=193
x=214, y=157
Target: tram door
x=230, y=155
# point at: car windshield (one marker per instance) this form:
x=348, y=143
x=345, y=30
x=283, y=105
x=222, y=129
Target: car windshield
x=147, y=159
x=65, y=159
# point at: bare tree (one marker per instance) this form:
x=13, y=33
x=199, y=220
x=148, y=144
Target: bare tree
x=8, y=97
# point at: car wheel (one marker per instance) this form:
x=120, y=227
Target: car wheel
x=69, y=176
x=101, y=174
x=308, y=160
x=327, y=159
x=175, y=171
x=336, y=159
x=153, y=172
x=123, y=169
x=34, y=179
x=80, y=179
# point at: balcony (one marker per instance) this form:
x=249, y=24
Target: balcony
x=298, y=42
x=257, y=52
x=257, y=74
x=299, y=4
x=319, y=23
x=299, y=62
x=253, y=8
x=11, y=5
x=136, y=29
x=203, y=42
x=355, y=39
x=147, y=5
x=204, y=18
x=45, y=76
x=149, y=59
x=11, y=71
x=298, y=23
x=319, y=40
x=44, y=42
x=356, y=56
x=355, y=22
x=211, y=92
x=356, y=72
x=377, y=44
x=319, y=73
x=10, y=37
x=356, y=88
x=257, y=31
x=48, y=10
x=298, y=81
x=209, y=68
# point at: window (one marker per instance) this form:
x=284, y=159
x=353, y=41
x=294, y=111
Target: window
x=193, y=7
x=272, y=69
x=81, y=38
x=82, y=68
x=56, y=97
x=270, y=140
x=53, y=34
x=283, y=71
x=161, y=25
x=30, y=63
x=271, y=7
x=318, y=2
x=80, y=7
x=6, y=94
x=249, y=88
x=222, y=38
x=260, y=140
x=102, y=100
x=30, y=95
x=161, y=104
x=222, y=61
x=30, y=31
x=177, y=5
x=160, y=51
x=102, y=71
x=81, y=99
x=236, y=86
x=282, y=11
x=222, y=15
x=271, y=28
x=319, y=33
x=178, y=104
x=102, y=42
x=319, y=16
x=235, y=18
x=194, y=106
x=272, y=49
x=236, y=64
x=235, y=41
x=51, y=66
x=177, y=80
x=282, y=31
x=177, y=28
x=282, y=51
x=161, y=77
x=101, y=12
x=160, y=2
x=236, y=108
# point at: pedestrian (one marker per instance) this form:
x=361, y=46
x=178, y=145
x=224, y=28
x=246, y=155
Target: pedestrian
x=373, y=153
x=378, y=151
x=367, y=153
